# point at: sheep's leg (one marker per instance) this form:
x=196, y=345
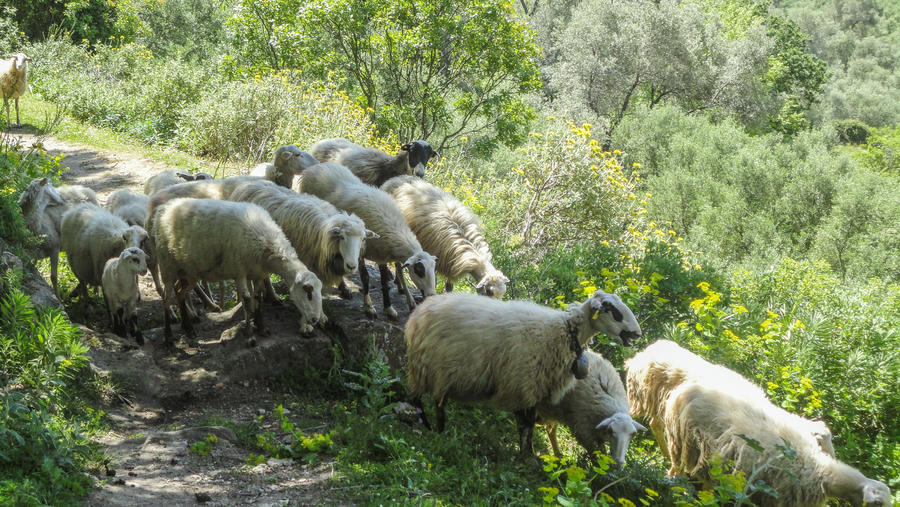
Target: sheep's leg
x=367, y=300
x=167, y=318
x=525, y=420
x=385, y=272
x=448, y=286
x=270, y=295
x=154, y=274
x=222, y=293
x=441, y=415
x=344, y=290
x=257, y=311
x=403, y=288
x=181, y=294
x=208, y=303
x=18, y=123
x=134, y=329
x=54, y=264
x=119, y=323
x=551, y=432
x=417, y=402
x=6, y=106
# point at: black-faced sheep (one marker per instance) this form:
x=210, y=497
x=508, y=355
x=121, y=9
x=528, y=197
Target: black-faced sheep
x=129, y=206
x=448, y=229
x=13, y=82
x=289, y=161
x=664, y=365
x=373, y=166
x=165, y=179
x=90, y=236
x=121, y=292
x=596, y=410
x=395, y=242
x=703, y=421
x=510, y=355
x=204, y=239
x=327, y=240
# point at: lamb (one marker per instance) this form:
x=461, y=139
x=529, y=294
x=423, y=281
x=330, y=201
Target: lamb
x=90, y=236
x=596, y=410
x=288, y=162
x=14, y=82
x=121, y=293
x=129, y=206
x=395, y=242
x=165, y=179
x=373, y=166
x=664, y=365
x=448, y=229
x=204, y=239
x=704, y=420
x=511, y=355
x=328, y=241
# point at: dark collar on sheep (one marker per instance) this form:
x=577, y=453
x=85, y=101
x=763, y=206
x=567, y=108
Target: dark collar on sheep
x=579, y=364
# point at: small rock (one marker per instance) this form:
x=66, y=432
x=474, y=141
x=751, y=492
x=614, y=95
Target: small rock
x=202, y=497
x=119, y=482
x=173, y=461
x=132, y=474
x=110, y=472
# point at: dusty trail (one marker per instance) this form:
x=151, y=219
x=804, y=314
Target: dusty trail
x=166, y=395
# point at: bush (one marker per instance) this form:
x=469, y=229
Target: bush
x=11, y=38
x=852, y=131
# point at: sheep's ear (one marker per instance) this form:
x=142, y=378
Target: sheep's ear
x=639, y=426
x=604, y=424
x=372, y=234
x=336, y=232
x=309, y=290
x=505, y=280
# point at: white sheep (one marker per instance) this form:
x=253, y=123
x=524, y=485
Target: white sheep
x=121, y=292
x=702, y=421
x=13, y=82
x=510, y=355
x=448, y=229
x=289, y=161
x=374, y=166
x=596, y=410
x=165, y=179
x=90, y=236
x=129, y=206
x=327, y=240
x=204, y=239
x=395, y=242
x=664, y=365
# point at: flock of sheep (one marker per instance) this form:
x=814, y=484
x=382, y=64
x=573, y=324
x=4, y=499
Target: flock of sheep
x=314, y=218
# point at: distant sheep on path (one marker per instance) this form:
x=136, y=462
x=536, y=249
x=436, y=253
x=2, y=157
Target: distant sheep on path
x=13, y=82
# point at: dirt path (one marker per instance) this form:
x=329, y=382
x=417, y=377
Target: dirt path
x=169, y=395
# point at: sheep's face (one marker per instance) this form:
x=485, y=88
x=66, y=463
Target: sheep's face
x=135, y=236
x=874, y=494
x=290, y=158
x=610, y=316
x=21, y=59
x=618, y=429
x=492, y=285
x=421, y=272
x=39, y=192
x=420, y=152
x=306, y=293
x=349, y=236
x=135, y=259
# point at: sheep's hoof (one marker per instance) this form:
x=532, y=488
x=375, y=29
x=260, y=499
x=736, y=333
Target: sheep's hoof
x=391, y=313
x=370, y=312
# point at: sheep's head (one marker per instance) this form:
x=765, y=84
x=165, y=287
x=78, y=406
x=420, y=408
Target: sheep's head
x=135, y=236
x=39, y=192
x=348, y=231
x=291, y=159
x=618, y=429
x=193, y=177
x=421, y=272
x=21, y=59
x=135, y=259
x=493, y=284
x=610, y=316
x=306, y=293
x=875, y=494
x=419, y=153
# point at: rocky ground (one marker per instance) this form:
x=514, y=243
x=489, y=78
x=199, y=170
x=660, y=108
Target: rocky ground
x=168, y=394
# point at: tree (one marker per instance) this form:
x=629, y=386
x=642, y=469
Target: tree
x=434, y=69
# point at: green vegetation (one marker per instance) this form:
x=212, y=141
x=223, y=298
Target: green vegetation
x=727, y=167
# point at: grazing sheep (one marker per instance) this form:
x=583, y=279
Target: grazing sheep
x=373, y=166
x=204, y=239
x=327, y=240
x=90, y=236
x=288, y=162
x=703, y=421
x=395, y=242
x=596, y=410
x=448, y=229
x=511, y=355
x=165, y=179
x=13, y=82
x=121, y=292
x=129, y=206
x=664, y=365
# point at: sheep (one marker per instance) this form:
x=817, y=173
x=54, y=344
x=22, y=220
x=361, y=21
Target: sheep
x=596, y=410
x=90, y=235
x=288, y=162
x=664, y=365
x=42, y=207
x=702, y=421
x=328, y=241
x=129, y=206
x=395, y=242
x=121, y=292
x=165, y=179
x=373, y=166
x=448, y=229
x=14, y=82
x=204, y=239
x=511, y=355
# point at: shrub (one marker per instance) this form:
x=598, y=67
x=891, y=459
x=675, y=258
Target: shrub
x=852, y=131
